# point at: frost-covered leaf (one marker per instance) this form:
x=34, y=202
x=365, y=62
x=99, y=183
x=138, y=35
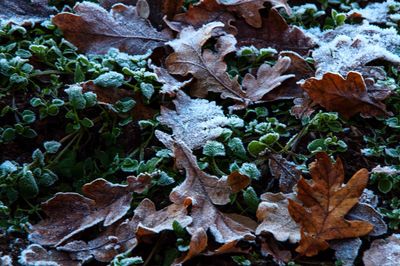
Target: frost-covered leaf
x=379, y=13
x=274, y=216
x=206, y=66
x=348, y=95
x=285, y=171
x=94, y=30
x=326, y=200
x=202, y=191
x=25, y=12
x=366, y=212
x=123, y=236
x=383, y=252
x=275, y=33
x=103, y=202
x=268, y=78
x=37, y=255
x=170, y=84
x=194, y=121
x=346, y=250
x=352, y=47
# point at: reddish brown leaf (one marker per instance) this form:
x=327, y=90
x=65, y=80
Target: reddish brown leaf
x=94, y=30
x=206, y=66
x=348, y=96
x=103, y=202
x=326, y=200
x=275, y=33
x=25, y=12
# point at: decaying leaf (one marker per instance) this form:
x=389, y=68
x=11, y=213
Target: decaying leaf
x=94, y=30
x=170, y=84
x=366, y=212
x=275, y=33
x=383, y=252
x=269, y=246
x=285, y=171
x=352, y=47
x=275, y=218
x=249, y=9
x=326, y=201
x=123, y=236
x=103, y=202
x=348, y=96
x=268, y=78
x=194, y=121
x=202, y=191
x=37, y=255
x=25, y=12
x=206, y=66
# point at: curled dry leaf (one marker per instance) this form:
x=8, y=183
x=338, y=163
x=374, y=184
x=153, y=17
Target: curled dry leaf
x=194, y=121
x=268, y=78
x=326, y=201
x=170, y=84
x=275, y=218
x=202, y=191
x=348, y=96
x=25, y=12
x=35, y=254
x=124, y=236
x=206, y=66
x=102, y=202
x=285, y=171
x=383, y=252
x=94, y=30
x=275, y=33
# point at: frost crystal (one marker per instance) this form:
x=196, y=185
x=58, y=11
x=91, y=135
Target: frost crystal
x=195, y=121
x=377, y=12
x=351, y=47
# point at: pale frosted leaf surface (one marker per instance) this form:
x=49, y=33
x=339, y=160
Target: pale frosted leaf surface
x=383, y=252
x=377, y=12
x=25, y=12
x=194, y=121
x=37, y=255
x=274, y=216
x=346, y=250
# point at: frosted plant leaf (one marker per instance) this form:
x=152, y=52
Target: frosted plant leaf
x=377, y=12
x=195, y=121
x=351, y=47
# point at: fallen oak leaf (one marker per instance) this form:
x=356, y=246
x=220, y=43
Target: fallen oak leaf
x=25, y=12
x=124, y=236
x=383, y=252
x=201, y=191
x=94, y=30
x=206, y=66
x=194, y=121
x=348, y=96
x=268, y=78
x=275, y=33
x=103, y=202
x=326, y=201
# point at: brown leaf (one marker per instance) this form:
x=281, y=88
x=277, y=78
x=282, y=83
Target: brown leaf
x=94, y=30
x=383, y=252
x=198, y=243
x=25, y=12
x=348, y=96
x=103, y=202
x=269, y=246
x=237, y=181
x=285, y=171
x=275, y=218
x=275, y=33
x=366, y=212
x=124, y=236
x=202, y=191
x=37, y=255
x=195, y=121
x=206, y=66
x=325, y=203
x=170, y=84
x=172, y=7
x=249, y=9
x=268, y=78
